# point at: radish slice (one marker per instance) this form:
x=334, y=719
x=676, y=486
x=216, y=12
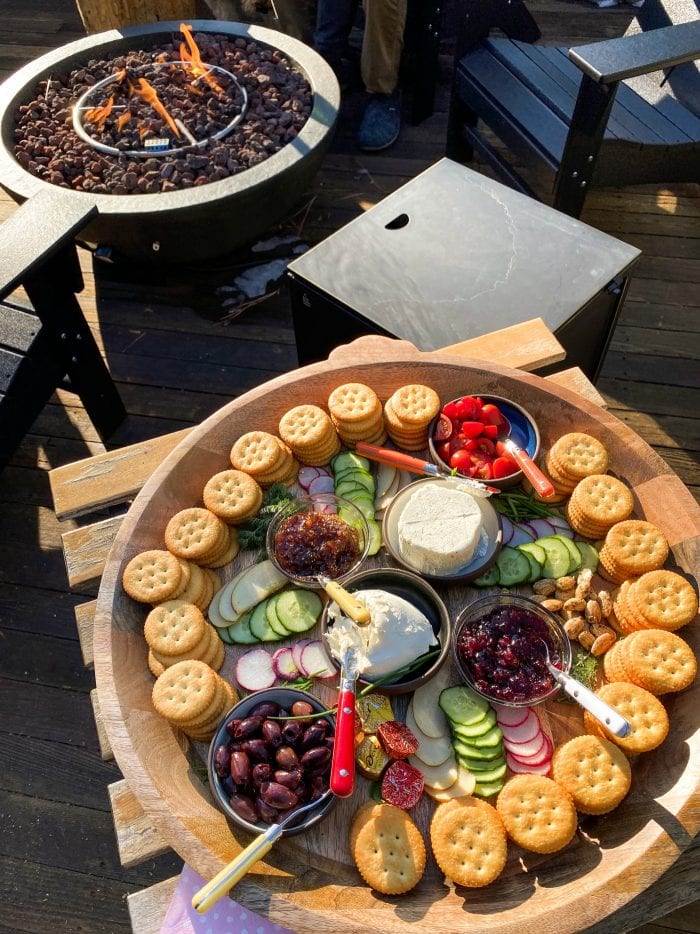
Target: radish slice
x=510, y=716
x=521, y=769
x=521, y=536
x=307, y=475
x=543, y=527
x=527, y=527
x=321, y=485
x=254, y=670
x=524, y=732
x=283, y=664
x=297, y=649
x=527, y=750
x=328, y=508
x=508, y=530
x=315, y=661
x=542, y=756
x=562, y=526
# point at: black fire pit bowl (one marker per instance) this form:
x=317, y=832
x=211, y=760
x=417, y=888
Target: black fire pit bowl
x=195, y=223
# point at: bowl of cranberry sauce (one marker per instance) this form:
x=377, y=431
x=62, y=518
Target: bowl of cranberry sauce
x=469, y=434
x=498, y=648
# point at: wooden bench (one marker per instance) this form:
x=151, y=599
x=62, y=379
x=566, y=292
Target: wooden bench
x=47, y=344
x=116, y=477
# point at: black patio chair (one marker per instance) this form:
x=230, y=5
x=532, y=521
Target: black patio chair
x=574, y=115
x=48, y=344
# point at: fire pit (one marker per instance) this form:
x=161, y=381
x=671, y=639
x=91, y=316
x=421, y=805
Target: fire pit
x=168, y=153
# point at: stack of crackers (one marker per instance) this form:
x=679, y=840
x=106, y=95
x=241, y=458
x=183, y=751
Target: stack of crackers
x=571, y=458
x=356, y=412
x=197, y=535
x=156, y=576
x=177, y=631
x=630, y=549
x=408, y=413
x=653, y=659
x=233, y=496
x=594, y=771
x=646, y=714
x=265, y=458
x=193, y=697
x=310, y=434
x=597, y=503
x=657, y=600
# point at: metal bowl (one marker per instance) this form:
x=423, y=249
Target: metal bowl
x=285, y=697
x=417, y=592
x=523, y=431
x=531, y=622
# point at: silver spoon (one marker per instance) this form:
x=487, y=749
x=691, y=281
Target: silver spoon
x=607, y=715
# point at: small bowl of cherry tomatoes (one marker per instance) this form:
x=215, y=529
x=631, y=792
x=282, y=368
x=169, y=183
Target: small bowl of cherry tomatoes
x=469, y=434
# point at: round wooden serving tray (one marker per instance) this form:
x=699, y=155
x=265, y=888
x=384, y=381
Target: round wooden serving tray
x=310, y=883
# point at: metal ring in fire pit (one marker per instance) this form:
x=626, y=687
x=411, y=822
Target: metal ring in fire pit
x=161, y=146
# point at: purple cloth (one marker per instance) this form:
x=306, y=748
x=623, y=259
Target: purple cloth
x=225, y=917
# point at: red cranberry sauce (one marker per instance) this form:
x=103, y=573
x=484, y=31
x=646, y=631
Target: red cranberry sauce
x=504, y=655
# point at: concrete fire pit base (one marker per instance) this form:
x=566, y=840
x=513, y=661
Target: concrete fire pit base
x=195, y=223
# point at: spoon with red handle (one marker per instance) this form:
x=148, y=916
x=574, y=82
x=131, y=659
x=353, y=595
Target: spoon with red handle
x=342, y=780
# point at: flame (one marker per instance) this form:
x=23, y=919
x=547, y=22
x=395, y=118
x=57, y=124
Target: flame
x=148, y=93
x=98, y=115
x=123, y=120
x=190, y=53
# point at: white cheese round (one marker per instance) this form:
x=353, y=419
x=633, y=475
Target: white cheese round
x=439, y=529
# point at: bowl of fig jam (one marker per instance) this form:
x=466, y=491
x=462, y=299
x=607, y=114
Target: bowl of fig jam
x=316, y=537
x=266, y=759
x=497, y=645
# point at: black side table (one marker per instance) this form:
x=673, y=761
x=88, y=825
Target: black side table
x=453, y=255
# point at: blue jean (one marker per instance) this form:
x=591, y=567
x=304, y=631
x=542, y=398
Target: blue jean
x=382, y=41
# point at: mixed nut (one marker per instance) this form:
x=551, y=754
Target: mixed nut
x=584, y=611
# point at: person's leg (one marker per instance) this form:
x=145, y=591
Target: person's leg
x=334, y=19
x=381, y=58
x=382, y=44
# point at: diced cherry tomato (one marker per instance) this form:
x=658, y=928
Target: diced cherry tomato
x=444, y=428
x=468, y=408
x=443, y=451
x=491, y=414
x=471, y=429
x=461, y=460
x=491, y=431
x=503, y=467
x=484, y=472
x=456, y=443
x=471, y=445
x=450, y=410
x=488, y=448
x=501, y=449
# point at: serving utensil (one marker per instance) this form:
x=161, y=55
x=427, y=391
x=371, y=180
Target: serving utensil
x=604, y=713
x=541, y=483
x=224, y=881
x=420, y=466
x=347, y=602
x=342, y=782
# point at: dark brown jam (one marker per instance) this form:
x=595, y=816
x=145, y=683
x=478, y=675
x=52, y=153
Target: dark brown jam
x=312, y=544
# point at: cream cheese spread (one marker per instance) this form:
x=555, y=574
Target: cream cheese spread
x=397, y=634
x=439, y=529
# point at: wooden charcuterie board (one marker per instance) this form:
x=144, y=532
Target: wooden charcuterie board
x=309, y=882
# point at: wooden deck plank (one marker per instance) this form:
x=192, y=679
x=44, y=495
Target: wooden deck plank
x=53, y=723
x=137, y=838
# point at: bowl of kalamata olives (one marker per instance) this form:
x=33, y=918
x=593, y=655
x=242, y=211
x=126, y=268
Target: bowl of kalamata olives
x=270, y=755
x=500, y=645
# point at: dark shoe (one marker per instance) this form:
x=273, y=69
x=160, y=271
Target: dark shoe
x=381, y=123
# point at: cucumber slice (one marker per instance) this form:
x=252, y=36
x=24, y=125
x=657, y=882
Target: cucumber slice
x=488, y=789
x=589, y=556
x=495, y=775
x=364, y=503
x=222, y=633
x=491, y=739
x=463, y=706
x=558, y=557
x=349, y=459
x=375, y=536
x=574, y=553
x=487, y=754
x=535, y=567
x=536, y=551
x=479, y=766
x=273, y=619
x=259, y=625
x=298, y=610
x=357, y=478
x=468, y=731
x=513, y=567
x=489, y=579
x=240, y=631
